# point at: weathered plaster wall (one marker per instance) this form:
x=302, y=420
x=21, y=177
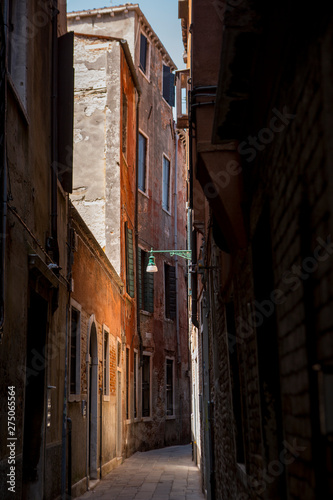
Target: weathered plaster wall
x=119, y=26
x=96, y=191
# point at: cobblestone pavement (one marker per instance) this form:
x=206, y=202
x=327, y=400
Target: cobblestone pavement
x=164, y=474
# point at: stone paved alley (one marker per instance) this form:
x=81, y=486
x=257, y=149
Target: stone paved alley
x=163, y=474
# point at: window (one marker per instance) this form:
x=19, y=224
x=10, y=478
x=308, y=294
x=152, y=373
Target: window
x=129, y=260
x=17, y=46
x=169, y=388
x=146, y=406
x=124, y=124
x=106, y=363
x=170, y=291
x=144, y=47
x=135, y=384
x=142, y=174
x=127, y=383
x=166, y=184
x=75, y=352
x=146, y=283
x=118, y=354
x=168, y=85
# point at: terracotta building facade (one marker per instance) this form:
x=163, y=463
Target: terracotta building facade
x=130, y=189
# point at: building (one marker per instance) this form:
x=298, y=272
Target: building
x=259, y=135
x=97, y=358
x=136, y=202
x=36, y=144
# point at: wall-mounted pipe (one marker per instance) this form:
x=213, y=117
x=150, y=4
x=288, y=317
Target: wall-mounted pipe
x=137, y=229
x=176, y=247
x=3, y=160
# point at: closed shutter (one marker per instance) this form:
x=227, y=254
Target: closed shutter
x=166, y=184
x=148, y=287
x=168, y=85
x=171, y=98
x=65, y=111
x=166, y=82
x=129, y=261
x=143, y=53
x=140, y=278
x=172, y=292
x=142, y=162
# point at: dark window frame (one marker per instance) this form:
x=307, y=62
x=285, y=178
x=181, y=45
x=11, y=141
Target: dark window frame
x=142, y=165
x=146, y=283
x=166, y=182
x=170, y=291
x=144, y=54
x=129, y=250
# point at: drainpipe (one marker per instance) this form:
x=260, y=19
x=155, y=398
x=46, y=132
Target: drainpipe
x=176, y=246
x=3, y=179
x=137, y=227
x=101, y=433
x=88, y=416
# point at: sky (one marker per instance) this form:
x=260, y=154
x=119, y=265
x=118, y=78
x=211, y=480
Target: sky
x=161, y=14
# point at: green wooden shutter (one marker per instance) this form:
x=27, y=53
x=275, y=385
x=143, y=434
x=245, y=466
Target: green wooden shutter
x=140, y=277
x=148, y=286
x=172, y=292
x=129, y=261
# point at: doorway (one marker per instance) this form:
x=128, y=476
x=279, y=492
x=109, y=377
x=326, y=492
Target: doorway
x=35, y=394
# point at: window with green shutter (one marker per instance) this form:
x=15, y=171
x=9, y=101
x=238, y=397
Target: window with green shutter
x=129, y=261
x=146, y=283
x=170, y=291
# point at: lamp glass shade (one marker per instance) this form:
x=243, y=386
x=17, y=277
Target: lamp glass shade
x=151, y=268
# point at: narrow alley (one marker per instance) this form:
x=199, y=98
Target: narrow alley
x=163, y=474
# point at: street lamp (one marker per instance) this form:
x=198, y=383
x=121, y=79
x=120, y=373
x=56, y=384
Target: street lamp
x=152, y=268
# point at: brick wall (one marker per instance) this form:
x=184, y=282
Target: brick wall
x=291, y=180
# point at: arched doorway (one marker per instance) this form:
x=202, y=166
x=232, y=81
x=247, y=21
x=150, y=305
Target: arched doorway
x=93, y=395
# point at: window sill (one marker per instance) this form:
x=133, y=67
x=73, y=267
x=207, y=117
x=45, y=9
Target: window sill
x=143, y=193
x=74, y=398
x=128, y=421
x=169, y=320
x=144, y=74
x=129, y=298
x=170, y=417
x=146, y=313
x=166, y=211
x=106, y=397
x=146, y=419
x=18, y=100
